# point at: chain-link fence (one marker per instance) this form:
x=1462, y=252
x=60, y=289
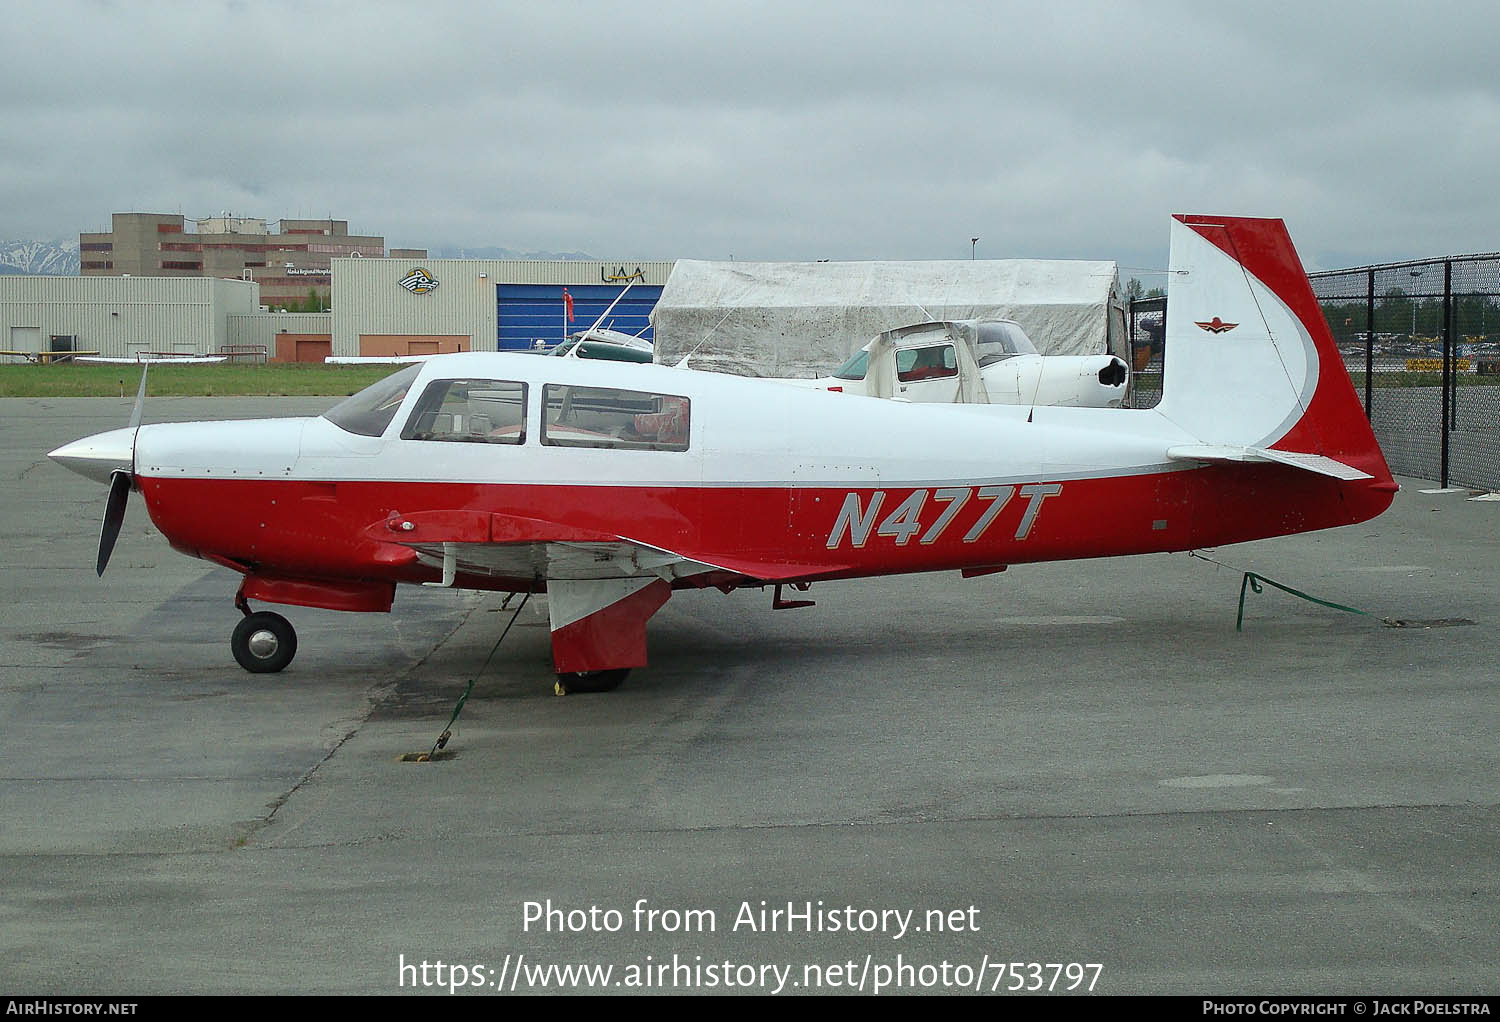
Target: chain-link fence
x=1420, y=340
x=1148, y=333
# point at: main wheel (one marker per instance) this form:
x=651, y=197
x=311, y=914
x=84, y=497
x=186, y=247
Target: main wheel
x=591, y=681
x=263, y=642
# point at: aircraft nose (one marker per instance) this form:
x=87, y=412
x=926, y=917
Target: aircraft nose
x=100, y=455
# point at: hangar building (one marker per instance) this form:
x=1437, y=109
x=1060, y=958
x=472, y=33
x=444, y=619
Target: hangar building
x=120, y=317
x=386, y=307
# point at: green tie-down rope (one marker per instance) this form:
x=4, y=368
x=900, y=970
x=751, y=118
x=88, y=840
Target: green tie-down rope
x=1252, y=581
x=448, y=731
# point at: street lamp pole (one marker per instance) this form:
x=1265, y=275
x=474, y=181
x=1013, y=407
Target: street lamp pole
x=973, y=244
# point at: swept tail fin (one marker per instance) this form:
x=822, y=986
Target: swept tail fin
x=1250, y=361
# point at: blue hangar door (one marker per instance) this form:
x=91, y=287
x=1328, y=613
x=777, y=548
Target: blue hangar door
x=527, y=313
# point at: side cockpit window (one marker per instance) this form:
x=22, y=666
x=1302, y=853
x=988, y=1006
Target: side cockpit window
x=470, y=411
x=934, y=362
x=630, y=420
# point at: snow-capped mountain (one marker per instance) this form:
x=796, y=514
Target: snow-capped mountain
x=51, y=258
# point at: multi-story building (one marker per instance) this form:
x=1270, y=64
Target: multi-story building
x=290, y=265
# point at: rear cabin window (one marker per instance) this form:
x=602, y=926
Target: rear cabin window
x=932, y=363
x=470, y=412
x=628, y=420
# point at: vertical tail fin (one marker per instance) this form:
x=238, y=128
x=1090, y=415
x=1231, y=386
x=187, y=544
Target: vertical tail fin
x=1249, y=357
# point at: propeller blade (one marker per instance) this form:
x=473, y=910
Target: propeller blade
x=114, y=517
x=135, y=424
x=140, y=399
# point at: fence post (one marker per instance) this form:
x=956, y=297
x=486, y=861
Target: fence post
x=1369, y=342
x=1453, y=344
x=1447, y=360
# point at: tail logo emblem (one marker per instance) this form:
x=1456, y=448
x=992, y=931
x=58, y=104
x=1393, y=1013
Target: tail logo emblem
x=1217, y=326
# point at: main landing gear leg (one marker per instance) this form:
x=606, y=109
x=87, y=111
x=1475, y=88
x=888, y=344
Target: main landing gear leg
x=599, y=629
x=262, y=642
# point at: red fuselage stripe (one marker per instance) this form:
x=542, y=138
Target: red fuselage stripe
x=302, y=529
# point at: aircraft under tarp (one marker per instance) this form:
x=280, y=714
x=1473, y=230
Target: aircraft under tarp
x=804, y=319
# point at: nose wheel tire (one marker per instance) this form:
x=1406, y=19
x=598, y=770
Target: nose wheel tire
x=590, y=681
x=263, y=643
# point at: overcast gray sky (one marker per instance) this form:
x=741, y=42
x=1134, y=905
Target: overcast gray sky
x=766, y=130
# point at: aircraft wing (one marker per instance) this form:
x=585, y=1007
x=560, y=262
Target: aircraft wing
x=514, y=546
x=601, y=588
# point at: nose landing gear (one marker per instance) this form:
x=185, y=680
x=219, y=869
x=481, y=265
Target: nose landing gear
x=263, y=642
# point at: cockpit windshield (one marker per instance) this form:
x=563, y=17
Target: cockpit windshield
x=855, y=368
x=370, y=411
x=998, y=341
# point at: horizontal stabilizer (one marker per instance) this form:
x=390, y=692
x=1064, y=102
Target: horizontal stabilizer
x=1227, y=453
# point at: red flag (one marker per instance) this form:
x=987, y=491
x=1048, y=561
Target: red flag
x=568, y=304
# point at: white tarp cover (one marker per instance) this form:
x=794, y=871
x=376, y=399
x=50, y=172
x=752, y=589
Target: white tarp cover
x=806, y=319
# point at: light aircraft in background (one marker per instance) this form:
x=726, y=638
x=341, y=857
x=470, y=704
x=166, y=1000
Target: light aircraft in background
x=988, y=361
x=597, y=342
x=610, y=486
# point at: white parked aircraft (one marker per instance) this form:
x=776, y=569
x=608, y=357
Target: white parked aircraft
x=612, y=345
x=975, y=361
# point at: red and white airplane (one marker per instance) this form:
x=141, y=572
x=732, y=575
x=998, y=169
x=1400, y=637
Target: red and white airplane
x=609, y=486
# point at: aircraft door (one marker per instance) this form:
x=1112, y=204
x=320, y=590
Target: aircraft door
x=927, y=374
